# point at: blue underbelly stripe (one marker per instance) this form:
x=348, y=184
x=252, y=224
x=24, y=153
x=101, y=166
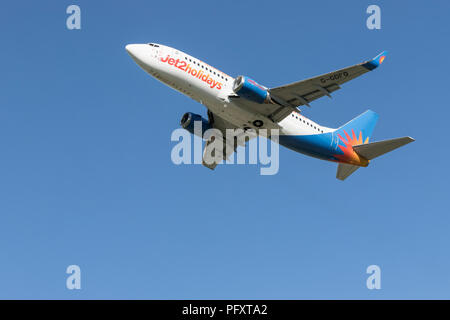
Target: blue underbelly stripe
x=316, y=145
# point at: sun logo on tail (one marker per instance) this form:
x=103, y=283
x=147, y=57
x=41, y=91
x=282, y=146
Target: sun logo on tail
x=348, y=154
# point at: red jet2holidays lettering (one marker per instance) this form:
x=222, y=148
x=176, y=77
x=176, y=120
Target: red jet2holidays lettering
x=199, y=74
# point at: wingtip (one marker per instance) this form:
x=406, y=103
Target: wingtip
x=380, y=58
x=375, y=62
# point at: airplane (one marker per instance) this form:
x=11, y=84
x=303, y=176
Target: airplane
x=243, y=103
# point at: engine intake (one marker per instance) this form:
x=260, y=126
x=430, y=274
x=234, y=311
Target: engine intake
x=188, y=120
x=249, y=89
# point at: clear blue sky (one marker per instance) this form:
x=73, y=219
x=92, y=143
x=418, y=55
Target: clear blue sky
x=86, y=176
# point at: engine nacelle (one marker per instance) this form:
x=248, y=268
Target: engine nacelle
x=187, y=122
x=251, y=90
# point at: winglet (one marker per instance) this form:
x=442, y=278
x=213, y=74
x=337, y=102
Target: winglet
x=375, y=62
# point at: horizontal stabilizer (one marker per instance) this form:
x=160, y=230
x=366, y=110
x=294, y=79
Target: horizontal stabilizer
x=344, y=170
x=375, y=149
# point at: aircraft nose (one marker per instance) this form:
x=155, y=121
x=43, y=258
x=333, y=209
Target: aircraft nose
x=138, y=52
x=131, y=48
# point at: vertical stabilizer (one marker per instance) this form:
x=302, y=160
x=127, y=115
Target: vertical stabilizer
x=364, y=123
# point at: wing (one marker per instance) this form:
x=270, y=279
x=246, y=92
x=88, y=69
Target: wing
x=229, y=147
x=303, y=92
x=271, y=113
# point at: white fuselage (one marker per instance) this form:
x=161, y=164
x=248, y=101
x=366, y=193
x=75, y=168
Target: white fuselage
x=211, y=87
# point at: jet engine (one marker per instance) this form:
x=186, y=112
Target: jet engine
x=188, y=120
x=249, y=89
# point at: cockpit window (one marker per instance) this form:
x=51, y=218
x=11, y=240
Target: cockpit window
x=153, y=45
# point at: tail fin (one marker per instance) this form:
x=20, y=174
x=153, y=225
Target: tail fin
x=354, y=132
x=357, y=133
x=361, y=125
x=375, y=149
